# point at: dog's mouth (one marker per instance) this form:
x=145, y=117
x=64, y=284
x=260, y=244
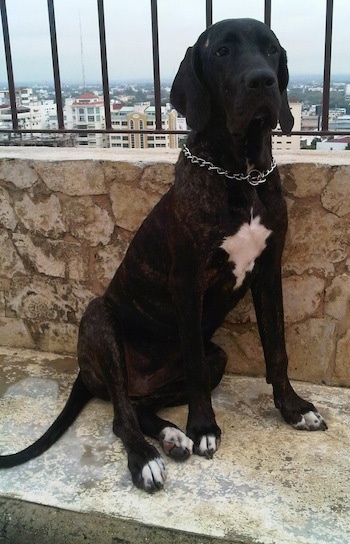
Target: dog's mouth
x=263, y=120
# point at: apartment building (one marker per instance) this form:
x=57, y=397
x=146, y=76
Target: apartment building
x=142, y=116
x=87, y=112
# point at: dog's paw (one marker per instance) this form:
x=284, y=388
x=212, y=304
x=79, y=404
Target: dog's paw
x=147, y=474
x=175, y=443
x=153, y=475
x=311, y=421
x=207, y=446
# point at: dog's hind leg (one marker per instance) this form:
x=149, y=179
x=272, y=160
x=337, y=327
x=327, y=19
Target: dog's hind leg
x=173, y=441
x=102, y=363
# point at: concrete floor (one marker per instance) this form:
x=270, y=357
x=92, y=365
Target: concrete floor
x=268, y=483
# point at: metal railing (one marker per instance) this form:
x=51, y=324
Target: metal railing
x=156, y=74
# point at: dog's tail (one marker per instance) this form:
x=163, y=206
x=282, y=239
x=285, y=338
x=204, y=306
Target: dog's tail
x=77, y=399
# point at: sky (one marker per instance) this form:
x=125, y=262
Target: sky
x=299, y=25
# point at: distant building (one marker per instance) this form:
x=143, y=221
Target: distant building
x=87, y=112
x=342, y=122
x=290, y=143
x=141, y=117
x=336, y=144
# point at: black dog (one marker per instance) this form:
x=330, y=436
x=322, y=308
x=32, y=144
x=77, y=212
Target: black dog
x=220, y=229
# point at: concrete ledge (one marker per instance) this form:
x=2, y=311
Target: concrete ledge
x=268, y=483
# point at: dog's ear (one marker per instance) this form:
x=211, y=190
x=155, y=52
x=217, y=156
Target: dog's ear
x=286, y=118
x=188, y=95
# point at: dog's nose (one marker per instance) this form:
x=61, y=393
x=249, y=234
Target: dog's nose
x=260, y=80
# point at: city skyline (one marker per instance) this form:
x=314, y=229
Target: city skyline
x=298, y=25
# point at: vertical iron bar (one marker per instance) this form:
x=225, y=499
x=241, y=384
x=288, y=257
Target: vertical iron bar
x=10, y=78
x=327, y=64
x=267, y=13
x=209, y=13
x=104, y=67
x=156, y=71
x=55, y=65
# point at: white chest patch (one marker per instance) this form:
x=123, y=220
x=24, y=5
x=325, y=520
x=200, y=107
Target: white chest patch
x=245, y=246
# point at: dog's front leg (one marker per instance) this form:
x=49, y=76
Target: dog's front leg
x=267, y=297
x=201, y=424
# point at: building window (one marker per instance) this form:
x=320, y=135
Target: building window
x=90, y=110
x=132, y=140
x=91, y=118
x=132, y=124
x=81, y=110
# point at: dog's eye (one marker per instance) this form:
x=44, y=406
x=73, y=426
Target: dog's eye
x=272, y=50
x=222, y=52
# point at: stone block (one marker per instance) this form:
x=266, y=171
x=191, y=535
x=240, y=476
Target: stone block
x=87, y=221
x=335, y=196
x=45, y=256
x=74, y=178
x=157, y=177
x=304, y=180
x=302, y=296
x=10, y=262
x=18, y=172
x=15, y=334
x=337, y=299
x=244, y=311
x=57, y=337
x=127, y=173
x=77, y=260
x=7, y=215
x=131, y=205
x=310, y=346
x=316, y=240
x=108, y=259
x=44, y=217
x=243, y=349
x=341, y=375
x=44, y=299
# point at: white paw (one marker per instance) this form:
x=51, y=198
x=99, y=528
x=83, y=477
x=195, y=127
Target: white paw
x=311, y=421
x=175, y=443
x=154, y=475
x=208, y=445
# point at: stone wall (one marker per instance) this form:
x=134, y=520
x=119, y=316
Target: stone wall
x=66, y=219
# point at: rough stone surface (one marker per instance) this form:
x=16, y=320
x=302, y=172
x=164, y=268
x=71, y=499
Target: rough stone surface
x=67, y=217
x=302, y=296
x=131, y=205
x=310, y=345
x=335, y=197
x=8, y=218
x=43, y=217
x=18, y=172
x=267, y=484
x=73, y=178
x=88, y=222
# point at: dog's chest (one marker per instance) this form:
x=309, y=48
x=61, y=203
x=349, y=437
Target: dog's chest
x=245, y=246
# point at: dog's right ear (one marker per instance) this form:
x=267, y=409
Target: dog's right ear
x=188, y=95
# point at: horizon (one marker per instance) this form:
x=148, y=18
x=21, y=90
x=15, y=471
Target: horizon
x=297, y=78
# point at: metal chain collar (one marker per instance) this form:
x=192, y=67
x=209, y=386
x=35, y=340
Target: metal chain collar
x=254, y=177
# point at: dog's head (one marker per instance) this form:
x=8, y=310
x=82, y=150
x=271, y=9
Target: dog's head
x=237, y=69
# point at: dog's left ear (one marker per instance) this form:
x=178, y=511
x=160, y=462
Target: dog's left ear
x=188, y=95
x=286, y=118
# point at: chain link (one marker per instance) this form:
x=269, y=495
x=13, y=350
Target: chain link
x=254, y=177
